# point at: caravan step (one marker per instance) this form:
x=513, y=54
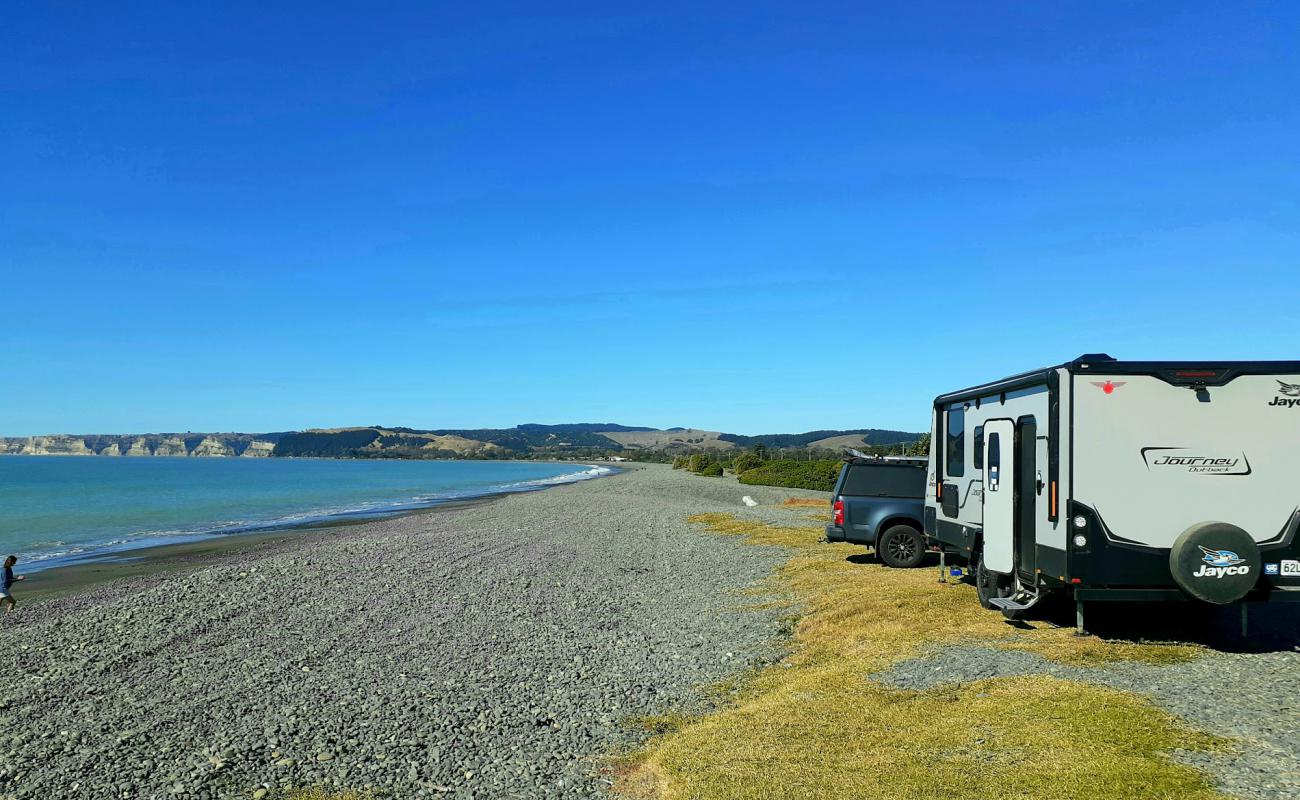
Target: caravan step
x=1012, y=603
x=1014, y=607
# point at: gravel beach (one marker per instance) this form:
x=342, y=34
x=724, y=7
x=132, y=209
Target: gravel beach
x=493, y=651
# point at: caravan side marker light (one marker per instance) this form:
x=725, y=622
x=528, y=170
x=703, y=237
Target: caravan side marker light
x=1076, y=580
x=1080, y=521
x=1053, y=499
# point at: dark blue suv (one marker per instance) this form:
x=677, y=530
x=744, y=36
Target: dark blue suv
x=879, y=502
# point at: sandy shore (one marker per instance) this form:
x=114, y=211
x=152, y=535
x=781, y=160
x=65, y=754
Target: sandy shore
x=493, y=651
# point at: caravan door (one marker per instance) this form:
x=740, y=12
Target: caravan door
x=999, y=496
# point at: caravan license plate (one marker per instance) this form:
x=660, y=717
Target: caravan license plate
x=1291, y=568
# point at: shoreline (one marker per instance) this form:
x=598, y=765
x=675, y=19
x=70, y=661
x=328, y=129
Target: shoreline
x=157, y=560
x=78, y=574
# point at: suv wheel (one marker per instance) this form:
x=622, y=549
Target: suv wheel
x=901, y=546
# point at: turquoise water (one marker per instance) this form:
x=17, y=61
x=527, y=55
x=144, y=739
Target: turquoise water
x=59, y=509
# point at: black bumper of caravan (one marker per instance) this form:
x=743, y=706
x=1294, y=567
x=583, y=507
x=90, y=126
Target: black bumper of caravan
x=1175, y=595
x=1111, y=569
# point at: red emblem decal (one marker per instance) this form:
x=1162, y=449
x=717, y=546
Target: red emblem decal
x=1109, y=387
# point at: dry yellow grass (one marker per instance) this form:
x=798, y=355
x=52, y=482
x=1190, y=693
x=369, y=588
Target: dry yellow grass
x=327, y=794
x=803, y=502
x=816, y=726
x=894, y=613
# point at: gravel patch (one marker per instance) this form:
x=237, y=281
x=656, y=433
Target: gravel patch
x=1251, y=697
x=496, y=651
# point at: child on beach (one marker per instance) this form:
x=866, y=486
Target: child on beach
x=9, y=579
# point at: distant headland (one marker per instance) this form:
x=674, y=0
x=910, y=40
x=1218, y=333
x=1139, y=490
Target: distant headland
x=585, y=440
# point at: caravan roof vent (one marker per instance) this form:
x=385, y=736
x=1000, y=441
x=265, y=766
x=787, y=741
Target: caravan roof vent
x=1095, y=357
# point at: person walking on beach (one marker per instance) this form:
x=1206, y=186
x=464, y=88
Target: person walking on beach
x=9, y=578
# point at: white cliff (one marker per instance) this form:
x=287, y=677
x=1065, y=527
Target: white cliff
x=139, y=447
x=212, y=446
x=56, y=446
x=149, y=444
x=258, y=448
x=171, y=446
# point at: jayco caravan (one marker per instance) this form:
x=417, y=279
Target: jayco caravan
x=1122, y=480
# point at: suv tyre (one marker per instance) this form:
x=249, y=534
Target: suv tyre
x=901, y=546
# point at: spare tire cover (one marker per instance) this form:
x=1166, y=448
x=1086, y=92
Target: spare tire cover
x=1215, y=562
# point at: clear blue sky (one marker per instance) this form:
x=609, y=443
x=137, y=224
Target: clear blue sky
x=754, y=217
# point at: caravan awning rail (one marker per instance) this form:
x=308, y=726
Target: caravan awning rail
x=1169, y=371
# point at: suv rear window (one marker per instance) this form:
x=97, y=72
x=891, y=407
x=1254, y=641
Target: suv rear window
x=884, y=480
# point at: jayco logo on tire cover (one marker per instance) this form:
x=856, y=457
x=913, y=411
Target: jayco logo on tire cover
x=1219, y=563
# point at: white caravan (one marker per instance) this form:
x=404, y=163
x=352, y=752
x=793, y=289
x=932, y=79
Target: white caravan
x=1122, y=480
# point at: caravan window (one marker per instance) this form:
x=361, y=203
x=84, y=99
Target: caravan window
x=979, y=448
x=955, y=452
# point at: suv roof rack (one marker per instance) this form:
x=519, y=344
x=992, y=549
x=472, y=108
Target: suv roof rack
x=857, y=459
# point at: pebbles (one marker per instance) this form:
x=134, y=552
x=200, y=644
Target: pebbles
x=496, y=651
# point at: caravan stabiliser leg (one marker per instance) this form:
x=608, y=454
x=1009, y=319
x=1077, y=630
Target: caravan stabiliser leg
x=1079, y=630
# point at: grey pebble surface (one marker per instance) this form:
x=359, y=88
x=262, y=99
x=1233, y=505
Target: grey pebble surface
x=493, y=651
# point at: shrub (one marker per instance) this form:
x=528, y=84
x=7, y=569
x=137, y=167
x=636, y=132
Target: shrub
x=680, y=462
x=921, y=447
x=745, y=461
x=713, y=470
x=819, y=475
x=699, y=461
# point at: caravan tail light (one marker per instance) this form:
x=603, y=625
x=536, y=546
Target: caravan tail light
x=837, y=511
x=1197, y=377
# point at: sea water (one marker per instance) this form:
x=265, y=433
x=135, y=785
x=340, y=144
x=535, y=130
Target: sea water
x=59, y=509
